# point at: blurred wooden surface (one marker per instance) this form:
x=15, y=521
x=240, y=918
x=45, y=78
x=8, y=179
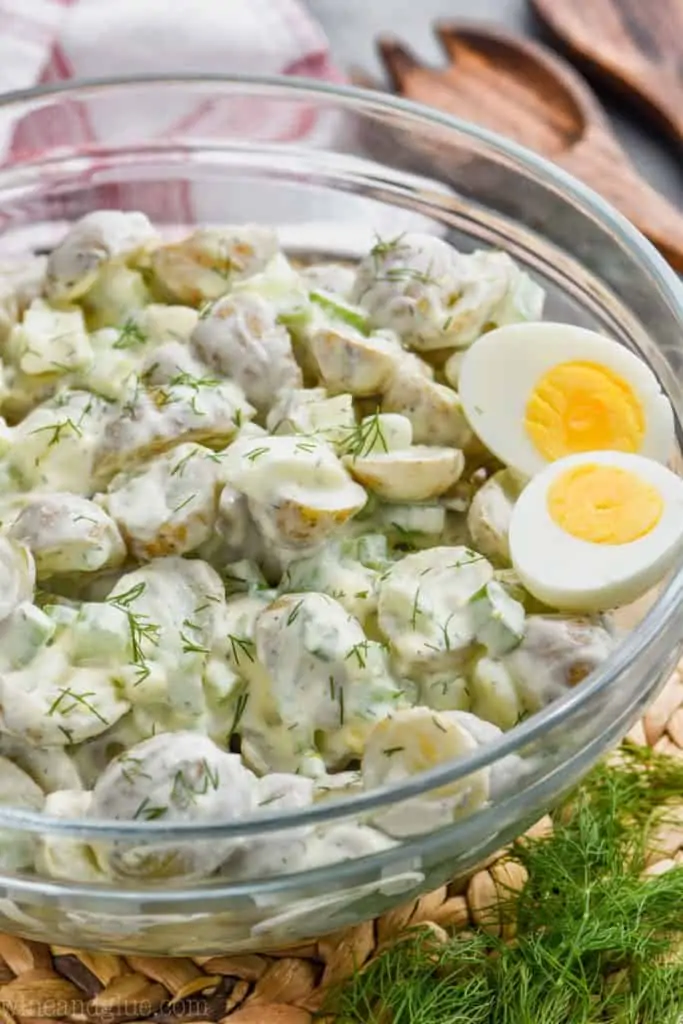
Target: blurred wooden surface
x=354, y=25
x=526, y=92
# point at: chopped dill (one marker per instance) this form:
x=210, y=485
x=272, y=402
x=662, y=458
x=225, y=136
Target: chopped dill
x=294, y=612
x=148, y=812
x=190, y=647
x=130, y=336
x=240, y=708
x=241, y=645
x=62, y=706
x=183, y=504
x=359, y=651
x=366, y=437
x=256, y=453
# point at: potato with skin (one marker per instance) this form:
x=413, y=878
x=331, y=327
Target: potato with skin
x=555, y=655
x=169, y=505
x=52, y=703
x=350, y=362
x=411, y=474
x=433, y=409
x=154, y=420
x=172, y=777
x=67, y=533
x=240, y=338
x=95, y=239
x=413, y=741
x=202, y=267
x=490, y=512
x=298, y=491
x=438, y=298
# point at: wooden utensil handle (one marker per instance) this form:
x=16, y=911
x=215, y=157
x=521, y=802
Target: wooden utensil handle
x=653, y=214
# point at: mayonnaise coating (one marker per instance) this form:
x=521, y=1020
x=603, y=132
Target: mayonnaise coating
x=241, y=338
x=167, y=506
x=68, y=533
x=413, y=741
x=92, y=241
x=270, y=559
x=201, y=267
x=174, y=777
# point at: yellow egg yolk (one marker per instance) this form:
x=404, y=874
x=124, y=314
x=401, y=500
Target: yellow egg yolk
x=604, y=504
x=583, y=407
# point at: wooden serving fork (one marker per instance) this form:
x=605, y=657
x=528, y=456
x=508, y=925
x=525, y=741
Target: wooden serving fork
x=524, y=91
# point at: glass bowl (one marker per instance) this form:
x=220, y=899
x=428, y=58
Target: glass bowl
x=331, y=166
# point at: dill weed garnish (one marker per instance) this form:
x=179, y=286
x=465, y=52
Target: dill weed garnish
x=596, y=942
x=366, y=437
x=140, y=629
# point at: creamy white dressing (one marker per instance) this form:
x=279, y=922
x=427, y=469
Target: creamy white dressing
x=265, y=560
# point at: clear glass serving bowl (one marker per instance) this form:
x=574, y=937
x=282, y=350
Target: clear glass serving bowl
x=366, y=163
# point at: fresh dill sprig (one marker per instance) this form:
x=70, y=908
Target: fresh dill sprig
x=596, y=941
x=140, y=629
x=366, y=437
x=131, y=335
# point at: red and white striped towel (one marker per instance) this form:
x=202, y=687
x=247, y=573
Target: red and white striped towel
x=44, y=41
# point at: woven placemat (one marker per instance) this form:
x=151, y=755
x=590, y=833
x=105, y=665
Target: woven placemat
x=40, y=983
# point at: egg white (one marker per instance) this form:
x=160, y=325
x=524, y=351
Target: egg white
x=499, y=372
x=576, y=575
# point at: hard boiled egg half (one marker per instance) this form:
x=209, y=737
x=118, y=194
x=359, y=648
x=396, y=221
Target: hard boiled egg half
x=536, y=392
x=595, y=531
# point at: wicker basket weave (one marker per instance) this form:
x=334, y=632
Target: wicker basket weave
x=40, y=983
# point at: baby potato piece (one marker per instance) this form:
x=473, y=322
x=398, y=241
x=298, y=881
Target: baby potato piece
x=117, y=297
x=555, y=655
x=426, y=608
x=436, y=297
x=171, y=778
x=433, y=409
x=174, y=612
x=169, y=505
x=298, y=491
x=240, y=338
x=490, y=514
x=349, y=361
x=413, y=474
x=17, y=575
x=415, y=740
x=67, y=533
x=49, y=341
x=95, y=239
x=186, y=409
x=203, y=266
x=53, y=703
x=324, y=675
x=405, y=284
x=53, y=448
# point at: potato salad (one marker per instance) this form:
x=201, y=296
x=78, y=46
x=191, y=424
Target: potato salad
x=275, y=532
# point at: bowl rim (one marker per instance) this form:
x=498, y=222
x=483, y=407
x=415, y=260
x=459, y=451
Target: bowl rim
x=658, y=620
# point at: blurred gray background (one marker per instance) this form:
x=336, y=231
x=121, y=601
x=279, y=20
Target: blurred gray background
x=353, y=25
